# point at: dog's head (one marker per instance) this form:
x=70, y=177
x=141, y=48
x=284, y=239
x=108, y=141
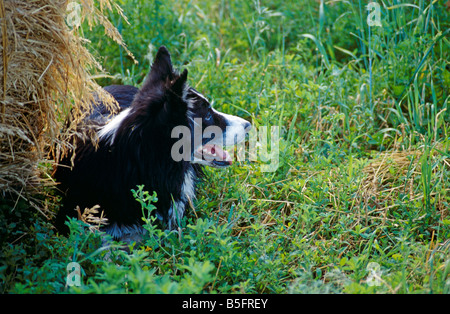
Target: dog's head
x=212, y=131
x=209, y=130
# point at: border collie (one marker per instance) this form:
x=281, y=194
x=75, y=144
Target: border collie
x=137, y=146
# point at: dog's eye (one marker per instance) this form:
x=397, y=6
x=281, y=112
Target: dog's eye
x=208, y=116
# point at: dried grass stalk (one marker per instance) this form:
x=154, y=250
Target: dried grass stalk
x=45, y=74
x=394, y=172
x=91, y=218
x=379, y=185
x=391, y=165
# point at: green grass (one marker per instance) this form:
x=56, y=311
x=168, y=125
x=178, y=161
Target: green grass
x=364, y=164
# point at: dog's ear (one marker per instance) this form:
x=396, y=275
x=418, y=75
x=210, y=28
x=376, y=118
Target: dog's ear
x=179, y=83
x=175, y=94
x=162, y=69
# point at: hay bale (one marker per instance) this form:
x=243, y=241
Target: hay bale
x=44, y=75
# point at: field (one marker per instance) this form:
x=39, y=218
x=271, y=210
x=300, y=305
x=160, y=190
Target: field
x=359, y=199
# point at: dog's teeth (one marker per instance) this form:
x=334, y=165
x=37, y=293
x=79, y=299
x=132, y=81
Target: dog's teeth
x=205, y=150
x=214, y=155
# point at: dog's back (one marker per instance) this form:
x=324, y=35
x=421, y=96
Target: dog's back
x=123, y=94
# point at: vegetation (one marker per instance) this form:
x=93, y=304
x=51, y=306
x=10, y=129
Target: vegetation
x=359, y=202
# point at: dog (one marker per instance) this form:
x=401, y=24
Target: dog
x=139, y=146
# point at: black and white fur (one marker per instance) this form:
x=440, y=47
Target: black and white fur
x=134, y=148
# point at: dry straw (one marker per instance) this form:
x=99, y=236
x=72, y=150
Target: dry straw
x=45, y=76
x=396, y=173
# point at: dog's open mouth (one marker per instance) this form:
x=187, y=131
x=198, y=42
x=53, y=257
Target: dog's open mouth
x=214, y=154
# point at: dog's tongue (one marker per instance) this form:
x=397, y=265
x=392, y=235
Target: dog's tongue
x=215, y=152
